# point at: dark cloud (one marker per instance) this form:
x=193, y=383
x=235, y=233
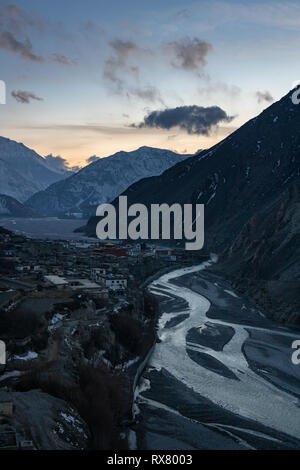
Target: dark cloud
x=10, y=43
x=75, y=168
x=25, y=96
x=92, y=159
x=188, y=54
x=57, y=163
x=264, y=96
x=60, y=164
x=192, y=119
x=14, y=23
x=62, y=59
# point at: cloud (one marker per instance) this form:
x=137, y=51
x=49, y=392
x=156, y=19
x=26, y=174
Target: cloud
x=188, y=54
x=124, y=75
x=62, y=59
x=10, y=43
x=18, y=18
x=192, y=119
x=219, y=87
x=90, y=28
x=92, y=159
x=173, y=136
x=147, y=93
x=14, y=23
x=25, y=96
x=57, y=163
x=95, y=128
x=75, y=168
x=60, y=164
x=264, y=96
x=123, y=48
x=183, y=14
x=118, y=61
x=111, y=67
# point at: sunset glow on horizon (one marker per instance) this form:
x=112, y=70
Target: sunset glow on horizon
x=85, y=85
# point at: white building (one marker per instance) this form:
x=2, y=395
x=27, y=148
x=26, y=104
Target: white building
x=57, y=281
x=115, y=282
x=72, y=283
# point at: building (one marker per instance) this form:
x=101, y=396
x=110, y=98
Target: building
x=97, y=273
x=6, y=409
x=134, y=250
x=116, y=283
x=83, y=245
x=72, y=283
x=56, y=281
x=8, y=440
x=23, y=268
x=102, y=293
x=163, y=252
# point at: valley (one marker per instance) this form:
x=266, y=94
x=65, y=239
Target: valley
x=221, y=375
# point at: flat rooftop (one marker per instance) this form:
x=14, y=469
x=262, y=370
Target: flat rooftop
x=57, y=280
x=74, y=283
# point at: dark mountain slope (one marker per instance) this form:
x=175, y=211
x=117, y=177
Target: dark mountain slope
x=235, y=179
x=11, y=207
x=264, y=260
x=249, y=184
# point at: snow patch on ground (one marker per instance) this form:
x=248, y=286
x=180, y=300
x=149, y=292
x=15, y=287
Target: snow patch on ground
x=29, y=356
x=231, y=293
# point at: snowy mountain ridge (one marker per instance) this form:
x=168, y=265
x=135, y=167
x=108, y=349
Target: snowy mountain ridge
x=22, y=171
x=103, y=180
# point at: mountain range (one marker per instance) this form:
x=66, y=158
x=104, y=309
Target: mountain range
x=249, y=184
x=22, y=171
x=102, y=180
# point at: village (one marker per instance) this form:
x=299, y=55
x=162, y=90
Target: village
x=68, y=309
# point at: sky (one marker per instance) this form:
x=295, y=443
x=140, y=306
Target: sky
x=92, y=77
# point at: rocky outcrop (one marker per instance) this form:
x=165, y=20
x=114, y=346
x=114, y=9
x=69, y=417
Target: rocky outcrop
x=49, y=422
